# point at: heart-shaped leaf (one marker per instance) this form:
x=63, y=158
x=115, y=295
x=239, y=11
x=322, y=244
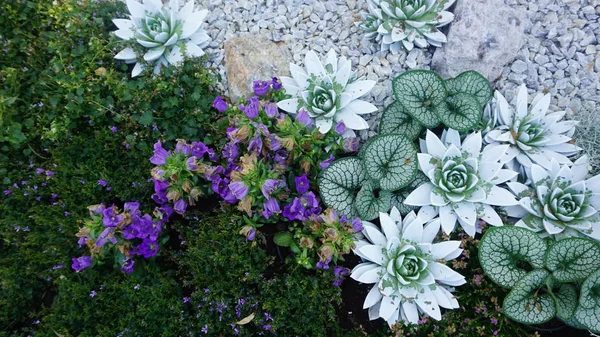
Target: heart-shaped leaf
x=503, y=248
x=588, y=318
x=525, y=304
x=390, y=160
x=566, y=302
x=573, y=259
x=396, y=120
x=339, y=184
x=460, y=112
x=283, y=239
x=420, y=91
x=371, y=200
x=400, y=195
x=590, y=292
x=473, y=83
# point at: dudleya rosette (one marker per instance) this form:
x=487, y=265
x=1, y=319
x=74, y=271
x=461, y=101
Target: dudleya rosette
x=563, y=203
x=407, y=269
x=534, y=135
x=329, y=93
x=165, y=30
x=398, y=24
x=463, y=181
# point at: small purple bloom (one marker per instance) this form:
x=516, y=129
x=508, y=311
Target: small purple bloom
x=274, y=144
x=127, y=267
x=269, y=186
x=160, y=185
x=280, y=156
x=132, y=207
x=81, y=263
x=270, y=208
x=39, y=170
x=325, y=163
x=340, y=273
x=111, y=219
x=93, y=293
x=357, y=225
x=340, y=128
x=261, y=87
x=271, y=110
x=160, y=155
x=113, y=128
x=212, y=155
x=255, y=145
x=180, y=206
x=199, y=149
x=49, y=173
x=251, y=234
x=191, y=163
x=186, y=299
x=147, y=248
x=182, y=147
x=102, y=182
x=205, y=328
x=251, y=110
x=219, y=104
x=302, y=184
x=7, y=192
x=351, y=144
x=238, y=189
x=276, y=84
x=303, y=118
x=230, y=151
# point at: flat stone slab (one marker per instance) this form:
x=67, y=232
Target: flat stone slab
x=485, y=36
x=251, y=58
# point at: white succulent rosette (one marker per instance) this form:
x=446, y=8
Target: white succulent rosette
x=462, y=183
x=535, y=136
x=329, y=93
x=165, y=30
x=404, y=24
x=562, y=202
x=408, y=270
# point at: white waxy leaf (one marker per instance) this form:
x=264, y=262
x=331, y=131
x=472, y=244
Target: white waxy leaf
x=137, y=69
x=289, y=105
x=421, y=196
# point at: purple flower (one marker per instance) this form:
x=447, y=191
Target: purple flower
x=186, y=299
x=212, y=155
x=49, y=173
x=238, y=189
x=351, y=144
x=102, y=182
x=7, y=192
x=251, y=110
x=271, y=110
x=357, y=225
x=302, y=184
x=199, y=149
x=127, y=266
x=340, y=273
x=180, y=206
x=93, y=293
x=160, y=185
x=147, y=248
x=219, y=104
x=269, y=186
x=230, y=151
x=325, y=163
x=182, y=147
x=191, y=163
x=113, y=128
x=160, y=197
x=81, y=263
x=340, y=128
x=276, y=84
x=324, y=264
x=160, y=155
x=255, y=145
x=133, y=207
x=303, y=118
x=270, y=208
x=205, y=328
x=280, y=156
x=39, y=170
x=261, y=87
x=273, y=143
x=251, y=234
x=111, y=219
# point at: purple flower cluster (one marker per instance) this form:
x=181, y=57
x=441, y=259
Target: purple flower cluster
x=302, y=207
x=129, y=232
x=261, y=88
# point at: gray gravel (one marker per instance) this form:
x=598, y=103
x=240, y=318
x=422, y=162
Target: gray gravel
x=561, y=54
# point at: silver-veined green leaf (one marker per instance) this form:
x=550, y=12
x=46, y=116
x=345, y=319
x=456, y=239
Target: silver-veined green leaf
x=473, y=83
x=525, y=304
x=566, y=302
x=420, y=91
x=340, y=182
x=400, y=195
x=390, y=160
x=573, y=259
x=395, y=119
x=501, y=248
x=460, y=112
x=590, y=292
x=371, y=200
x=588, y=318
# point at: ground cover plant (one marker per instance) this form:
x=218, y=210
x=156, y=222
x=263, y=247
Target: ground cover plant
x=141, y=203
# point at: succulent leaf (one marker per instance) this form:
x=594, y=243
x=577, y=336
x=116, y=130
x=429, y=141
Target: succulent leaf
x=400, y=195
x=502, y=247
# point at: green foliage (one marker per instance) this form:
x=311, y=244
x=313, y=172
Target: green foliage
x=396, y=120
x=573, y=259
x=504, y=248
x=390, y=161
x=339, y=184
x=523, y=304
x=472, y=83
x=371, y=200
x=420, y=91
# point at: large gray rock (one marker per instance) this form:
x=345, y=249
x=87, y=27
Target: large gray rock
x=485, y=36
x=251, y=58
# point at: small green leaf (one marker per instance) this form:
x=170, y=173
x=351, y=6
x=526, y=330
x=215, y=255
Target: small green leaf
x=146, y=118
x=339, y=184
x=395, y=120
x=391, y=160
x=460, y=112
x=283, y=239
x=525, y=304
x=573, y=259
x=420, y=91
x=566, y=302
x=473, y=83
x=590, y=292
x=502, y=248
x=400, y=195
x=371, y=200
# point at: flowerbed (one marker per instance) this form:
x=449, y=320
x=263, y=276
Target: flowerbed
x=153, y=205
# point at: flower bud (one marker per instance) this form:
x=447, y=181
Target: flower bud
x=306, y=242
x=331, y=234
x=173, y=195
x=249, y=232
x=187, y=186
x=325, y=253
